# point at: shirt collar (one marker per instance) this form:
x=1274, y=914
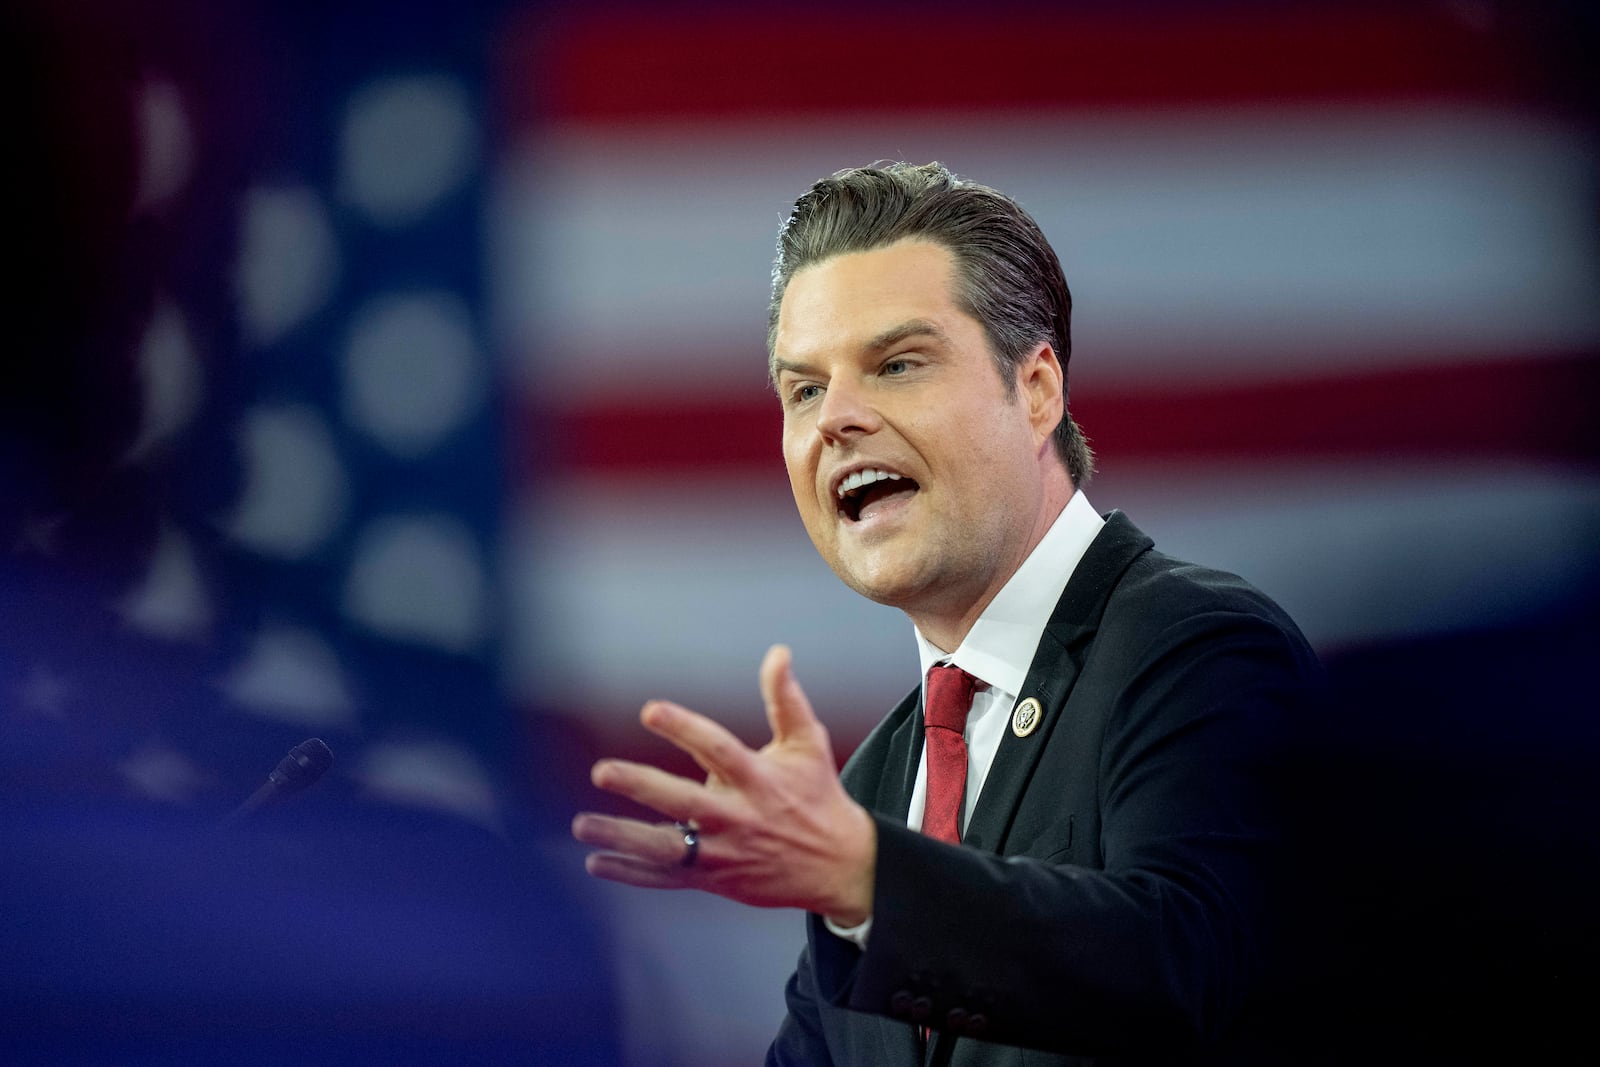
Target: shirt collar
x=999, y=648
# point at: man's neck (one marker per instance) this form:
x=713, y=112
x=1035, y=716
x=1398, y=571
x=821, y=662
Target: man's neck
x=947, y=629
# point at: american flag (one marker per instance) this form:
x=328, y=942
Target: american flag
x=1335, y=275
x=253, y=489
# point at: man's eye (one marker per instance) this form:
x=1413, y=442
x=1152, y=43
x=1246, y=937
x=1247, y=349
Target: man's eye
x=896, y=367
x=803, y=393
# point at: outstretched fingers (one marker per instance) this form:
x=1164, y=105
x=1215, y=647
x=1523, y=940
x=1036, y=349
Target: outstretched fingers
x=789, y=711
x=713, y=746
x=638, y=843
x=654, y=788
x=629, y=870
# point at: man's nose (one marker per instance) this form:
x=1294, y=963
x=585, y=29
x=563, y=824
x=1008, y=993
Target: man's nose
x=847, y=411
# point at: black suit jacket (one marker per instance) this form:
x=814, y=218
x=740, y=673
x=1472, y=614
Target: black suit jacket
x=1111, y=895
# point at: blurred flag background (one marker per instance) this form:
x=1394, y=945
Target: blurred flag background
x=396, y=375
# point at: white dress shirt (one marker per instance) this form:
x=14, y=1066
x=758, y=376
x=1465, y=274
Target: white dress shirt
x=998, y=651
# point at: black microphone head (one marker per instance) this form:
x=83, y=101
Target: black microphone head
x=305, y=763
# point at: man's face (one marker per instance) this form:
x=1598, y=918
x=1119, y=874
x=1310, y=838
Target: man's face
x=882, y=377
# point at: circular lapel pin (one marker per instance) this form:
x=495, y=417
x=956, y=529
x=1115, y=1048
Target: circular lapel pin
x=1026, y=717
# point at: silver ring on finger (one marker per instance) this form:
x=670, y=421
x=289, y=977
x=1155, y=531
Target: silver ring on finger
x=691, y=842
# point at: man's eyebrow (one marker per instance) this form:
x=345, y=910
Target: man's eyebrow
x=911, y=328
x=781, y=365
x=885, y=339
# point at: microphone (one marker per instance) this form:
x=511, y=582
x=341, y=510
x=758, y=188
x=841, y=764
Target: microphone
x=296, y=772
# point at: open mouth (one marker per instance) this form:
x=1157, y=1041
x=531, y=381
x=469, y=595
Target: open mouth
x=868, y=491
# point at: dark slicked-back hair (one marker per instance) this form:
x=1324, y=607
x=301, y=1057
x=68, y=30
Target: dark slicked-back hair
x=1007, y=275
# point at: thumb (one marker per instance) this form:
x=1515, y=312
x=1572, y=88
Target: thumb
x=788, y=710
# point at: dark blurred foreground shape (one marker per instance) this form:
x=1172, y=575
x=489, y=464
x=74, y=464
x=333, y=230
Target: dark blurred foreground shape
x=1448, y=855
x=348, y=925
x=324, y=932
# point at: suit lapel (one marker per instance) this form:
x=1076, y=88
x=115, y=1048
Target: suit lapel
x=903, y=753
x=1051, y=675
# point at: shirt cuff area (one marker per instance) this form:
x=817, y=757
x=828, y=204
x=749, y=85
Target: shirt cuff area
x=856, y=935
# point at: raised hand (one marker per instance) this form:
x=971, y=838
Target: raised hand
x=775, y=826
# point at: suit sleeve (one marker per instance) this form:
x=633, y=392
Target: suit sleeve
x=817, y=1030
x=800, y=1041
x=1150, y=938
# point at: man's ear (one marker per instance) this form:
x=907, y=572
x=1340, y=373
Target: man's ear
x=1042, y=386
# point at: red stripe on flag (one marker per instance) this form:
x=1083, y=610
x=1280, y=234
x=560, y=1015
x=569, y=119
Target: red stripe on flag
x=1535, y=408
x=639, y=66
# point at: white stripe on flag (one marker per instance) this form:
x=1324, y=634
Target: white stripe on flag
x=626, y=593
x=1216, y=244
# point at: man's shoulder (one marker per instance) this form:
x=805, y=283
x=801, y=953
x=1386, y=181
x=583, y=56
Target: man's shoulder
x=1163, y=603
x=1157, y=593
x=1168, y=586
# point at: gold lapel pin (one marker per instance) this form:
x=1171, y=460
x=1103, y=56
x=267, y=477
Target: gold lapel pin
x=1026, y=717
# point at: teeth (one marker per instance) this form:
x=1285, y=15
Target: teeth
x=865, y=477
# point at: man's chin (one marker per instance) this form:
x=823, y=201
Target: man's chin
x=895, y=585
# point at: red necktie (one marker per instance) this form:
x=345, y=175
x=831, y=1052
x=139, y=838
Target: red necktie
x=944, y=714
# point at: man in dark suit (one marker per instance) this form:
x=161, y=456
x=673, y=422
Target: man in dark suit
x=1065, y=839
